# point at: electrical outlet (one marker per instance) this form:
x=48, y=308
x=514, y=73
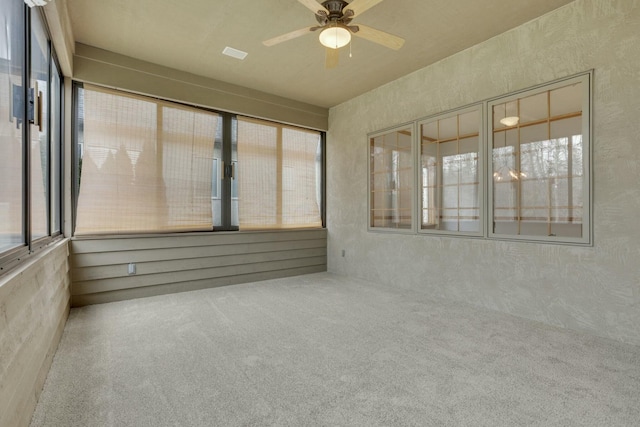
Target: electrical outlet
x=132, y=269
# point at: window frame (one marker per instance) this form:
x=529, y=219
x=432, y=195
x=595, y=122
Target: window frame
x=480, y=165
x=280, y=130
x=54, y=66
x=485, y=167
x=162, y=108
x=412, y=127
x=54, y=172
x=227, y=162
x=586, y=79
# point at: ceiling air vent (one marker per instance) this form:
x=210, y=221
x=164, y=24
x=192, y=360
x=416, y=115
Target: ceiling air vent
x=234, y=53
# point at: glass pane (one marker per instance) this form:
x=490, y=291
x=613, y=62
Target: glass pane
x=39, y=130
x=235, y=220
x=469, y=123
x=11, y=124
x=450, y=199
x=499, y=113
x=448, y=128
x=566, y=100
x=504, y=189
x=180, y=172
x=300, y=183
x=56, y=148
x=216, y=177
x=279, y=185
x=429, y=132
x=534, y=108
x=146, y=165
x=391, y=180
x=505, y=115
x=538, y=168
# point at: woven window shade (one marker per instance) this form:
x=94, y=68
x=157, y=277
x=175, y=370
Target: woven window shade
x=146, y=166
x=279, y=185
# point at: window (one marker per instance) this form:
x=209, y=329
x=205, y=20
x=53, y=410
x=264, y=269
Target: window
x=529, y=181
x=56, y=150
x=539, y=174
x=39, y=132
x=145, y=165
x=450, y=168
x=391, y=179
x=30, y=134
x=281, y=176
x=12, y=96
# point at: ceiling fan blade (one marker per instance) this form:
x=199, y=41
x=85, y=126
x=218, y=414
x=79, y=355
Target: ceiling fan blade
x=331, y=61
x=380, y=37
x=314, y=6
x=360, y=6
x=288, y=36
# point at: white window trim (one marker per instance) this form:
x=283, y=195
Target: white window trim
x=485, y=168
x=587, y=226
x=411, y=127
x=481, y=168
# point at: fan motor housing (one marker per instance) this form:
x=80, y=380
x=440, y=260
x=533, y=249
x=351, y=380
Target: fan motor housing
x=335, y=8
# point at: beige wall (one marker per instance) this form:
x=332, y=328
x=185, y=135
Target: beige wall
x=34, y=304
x=109, y=69
x=594, y=289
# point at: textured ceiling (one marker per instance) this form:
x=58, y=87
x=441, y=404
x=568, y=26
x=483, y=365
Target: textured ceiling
x=190, y=35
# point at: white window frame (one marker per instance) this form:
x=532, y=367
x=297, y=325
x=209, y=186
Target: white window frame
x=411, y=127
x=586, y=80
x=480, y=165
x=485, y=168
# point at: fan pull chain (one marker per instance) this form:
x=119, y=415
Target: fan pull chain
x=350, y=55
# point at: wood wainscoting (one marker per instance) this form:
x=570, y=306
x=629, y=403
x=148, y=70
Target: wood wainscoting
x=185, y=262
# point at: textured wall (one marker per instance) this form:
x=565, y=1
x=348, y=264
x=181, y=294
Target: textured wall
x=34, y=304
x=594, y=289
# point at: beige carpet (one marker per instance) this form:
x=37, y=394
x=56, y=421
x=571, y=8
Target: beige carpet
x=323, y=350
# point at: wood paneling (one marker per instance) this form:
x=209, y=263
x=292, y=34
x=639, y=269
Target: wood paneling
x=177, y=263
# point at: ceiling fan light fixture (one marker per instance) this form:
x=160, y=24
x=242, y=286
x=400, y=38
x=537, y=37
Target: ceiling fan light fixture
x=510, y=121
x=335, y=37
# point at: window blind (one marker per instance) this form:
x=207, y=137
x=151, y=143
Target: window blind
x=146, y=165
x=280, y=176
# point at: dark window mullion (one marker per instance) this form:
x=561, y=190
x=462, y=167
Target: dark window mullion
x=26, y=130
x=323, y=180
x=48, y=173
x=227, y=160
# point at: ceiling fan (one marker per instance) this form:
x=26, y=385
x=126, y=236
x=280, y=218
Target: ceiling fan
x=334, y=20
